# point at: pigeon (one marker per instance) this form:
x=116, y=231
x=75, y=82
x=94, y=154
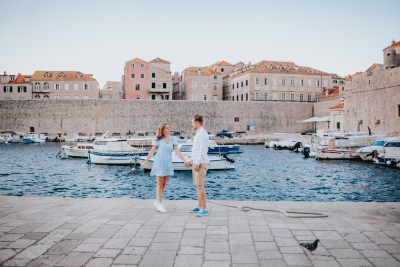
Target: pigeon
x=310, y=246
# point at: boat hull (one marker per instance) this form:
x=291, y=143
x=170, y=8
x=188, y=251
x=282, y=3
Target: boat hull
x=218, y=164
x=113, y=158
x=225, y=149
x=335, y=154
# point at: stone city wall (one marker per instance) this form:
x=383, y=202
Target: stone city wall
x=99, y=115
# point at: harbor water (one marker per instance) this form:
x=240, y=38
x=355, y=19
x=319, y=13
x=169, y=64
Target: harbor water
x=260, y=174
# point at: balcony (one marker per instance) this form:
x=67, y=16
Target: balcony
x=38, y=90
x=158, y=90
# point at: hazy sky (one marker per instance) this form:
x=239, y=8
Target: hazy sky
x=99, y=36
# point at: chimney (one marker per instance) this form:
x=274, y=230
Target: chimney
x=19, y=74
x=5, y=72
x=327, y=92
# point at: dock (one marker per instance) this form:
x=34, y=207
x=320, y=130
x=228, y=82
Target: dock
x=50, y=231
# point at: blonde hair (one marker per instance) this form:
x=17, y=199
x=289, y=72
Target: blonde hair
x=160, y=131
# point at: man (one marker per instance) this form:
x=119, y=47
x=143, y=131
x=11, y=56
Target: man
x=200, y=164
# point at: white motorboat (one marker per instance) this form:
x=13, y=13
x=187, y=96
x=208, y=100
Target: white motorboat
x=34, y=138
x=366, y=153
x=343, y=145
x=213, y=148
x=391, y=154
x=117, y=151
x=77, y=150
x=9, y=137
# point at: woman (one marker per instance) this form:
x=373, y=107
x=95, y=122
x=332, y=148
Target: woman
x=162, y=165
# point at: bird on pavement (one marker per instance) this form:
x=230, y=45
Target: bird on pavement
x=310, y=246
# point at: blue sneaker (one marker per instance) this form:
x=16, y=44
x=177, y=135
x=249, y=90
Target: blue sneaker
x=202, y=213
x=196, y=209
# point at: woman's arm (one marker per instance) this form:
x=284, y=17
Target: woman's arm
x=151, y=153
x=178, y=152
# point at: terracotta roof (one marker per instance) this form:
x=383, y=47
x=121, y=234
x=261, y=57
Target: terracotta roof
x=341, y=105
x=204, y=71
x=221, y=63
x=160, y=60
x=393, y=45
x=166, y=71
x=21, y=79
x=40, y=75
x=350, y=77
x=280, y=67
x=137, y=60
x=331, y=91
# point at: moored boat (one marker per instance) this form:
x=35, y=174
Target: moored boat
x=9, y=137
x=34, y=138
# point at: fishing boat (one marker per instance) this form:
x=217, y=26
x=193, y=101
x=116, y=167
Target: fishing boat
x=117, y=151
x=9, y=137
x=34, y=138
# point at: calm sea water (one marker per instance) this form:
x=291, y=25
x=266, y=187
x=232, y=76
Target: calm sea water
x=260, y=174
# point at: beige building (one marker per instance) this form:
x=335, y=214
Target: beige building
x=278, y=81
x=64, y=85
x=225, y=68
x=15, y=87
x=147, y=80
x=111, y=90
x=201, y=84
x=177, y=86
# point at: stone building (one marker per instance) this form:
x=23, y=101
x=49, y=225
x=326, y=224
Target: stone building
x=111, y=90
x=64, y=85
x=15, y=87
x=225, y=68
x=372, y=98
x=177, y=86
x=147, y=80
x=278, y=81
x=201, y=83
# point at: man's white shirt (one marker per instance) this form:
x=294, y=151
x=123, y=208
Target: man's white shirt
x=200, y=147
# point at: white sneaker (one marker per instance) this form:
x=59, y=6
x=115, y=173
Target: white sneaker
x=161, y=207
x=155, y=204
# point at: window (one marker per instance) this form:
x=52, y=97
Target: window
x=309, y=82
x=46, y=86
x=215, y=98
x=398, y=107
x=334, y=81
x=301, y=97
x=79, y=75
x=325, y=83
x=204, y=97
x=153, y=97
x=283, y=82
x=47, y=74
x=194, y=84
x=215, y=87
x=133, y=75
x=233, y=86
x=222, y=69
x=301, y=82
x=56, y=86
x=283, y=96
x=164, y=85
x=237, y=98
x=194, y=96
x=76, y=97
x=166, y=97
x=233, y=98
x=46, y=96
x=205, y=85
x=257, y=96
x=247, y=96
x=241, y=84
x=292, y=82
x=137, y=97
x=132, y=65
x=266, y=81
x=21, y=89
x=237, y=85
x=274, y=81
x=338, y=125
x=241, y=97
x=37, y=86
x=291, y=96
x=309, y=97
x=153, y=75
x=318, y=85
x=142, y=75
x=137, y=87
x=257, y=80
x=85, y=87
x=265, y=96
x=76, y=87
x=57, y=97
x=247, y=82
x=215, y=77
x=66, y=86
x=7, y=89
x=153, y=85
x=66, y=97
x=141, y=65
x=62, y=74
x=37, y=96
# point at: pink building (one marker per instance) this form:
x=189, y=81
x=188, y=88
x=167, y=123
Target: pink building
x=147, y=80
x=15, y=87
x=64, y=85
x=201, y=83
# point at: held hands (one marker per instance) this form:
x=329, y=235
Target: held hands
x=142, y=166
x=187, y=164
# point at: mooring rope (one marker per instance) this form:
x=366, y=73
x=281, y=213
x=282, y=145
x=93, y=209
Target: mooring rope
x=286, y=213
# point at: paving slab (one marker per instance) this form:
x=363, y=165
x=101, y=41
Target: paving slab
x=49, y=231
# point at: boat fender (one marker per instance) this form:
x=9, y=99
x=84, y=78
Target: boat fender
x=89, y=162
x=228, y=159
x=306, y=152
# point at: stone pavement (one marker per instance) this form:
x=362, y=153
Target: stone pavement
x=47, y=231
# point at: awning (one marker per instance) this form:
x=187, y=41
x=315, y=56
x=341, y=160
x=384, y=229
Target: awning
x=326, y=118
x=311, y=119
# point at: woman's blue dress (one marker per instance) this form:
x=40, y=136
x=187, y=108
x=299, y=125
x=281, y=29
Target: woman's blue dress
x=162, y=165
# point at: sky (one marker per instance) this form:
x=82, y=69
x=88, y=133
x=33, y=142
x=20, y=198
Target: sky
x=98, y=36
